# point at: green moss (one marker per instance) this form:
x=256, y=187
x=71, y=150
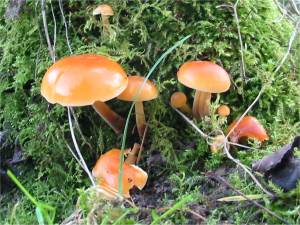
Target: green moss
x=140, y=32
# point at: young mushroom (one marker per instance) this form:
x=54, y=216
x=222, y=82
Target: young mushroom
x=138, y=93
x=87, y=79
x=206, y=78
x=223, y=110
x=179, y=101
x=106, y=171
x=105, y=11
x=248, y=127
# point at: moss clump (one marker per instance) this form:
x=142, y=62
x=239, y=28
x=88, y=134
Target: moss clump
x=140, y=32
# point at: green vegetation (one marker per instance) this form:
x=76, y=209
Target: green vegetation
x=139, y=34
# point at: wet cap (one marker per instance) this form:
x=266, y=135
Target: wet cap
x=81, y=80
x=204, y=76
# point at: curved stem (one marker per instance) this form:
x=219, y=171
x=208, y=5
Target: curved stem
x=133, y=154
x=186, y=109
x=115, y=121
x=105, y=23
x=201, y=105
x=140, y=118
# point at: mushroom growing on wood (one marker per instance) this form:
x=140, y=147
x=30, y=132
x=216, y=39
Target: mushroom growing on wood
x=105, y=11
x=179, y=101
x=139, y=93
x=107, y=172
x=248, y=127
x=223, y=110
x=87, y=79
x=206, y=78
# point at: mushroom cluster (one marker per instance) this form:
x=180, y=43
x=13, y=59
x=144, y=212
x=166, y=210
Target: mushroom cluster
x=91, y=79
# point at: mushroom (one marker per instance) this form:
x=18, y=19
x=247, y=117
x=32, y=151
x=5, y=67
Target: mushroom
x=179, y=101
x=133, y=92
x=87, y=79
x=105, y=11
x=248, y=127
x=206, y=77
x=223, y=110
x=106, y=171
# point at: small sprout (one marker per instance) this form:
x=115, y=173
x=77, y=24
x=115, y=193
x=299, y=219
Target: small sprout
x=179, y=101
x=88, y=79
x=105, y=11
x=106, y=171
x=133, y=92
x=223, y=110
x=248, y=127
x=206, y=78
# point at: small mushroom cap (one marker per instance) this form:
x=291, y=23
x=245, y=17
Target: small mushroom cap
x=104, y=10
x=204, y=76
x=223, y=110
x=107, y=171
x=178, y=99
x=80, y=80
x=133, y=92
x=249, y=127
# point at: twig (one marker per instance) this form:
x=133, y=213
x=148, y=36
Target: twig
x=79, y=129
x=65, y=23
x=50, y=48
x=237, y=21
x=77, y=149
x=292, y=38
x=227, y=184
x=245, y=169
x=196, y=214
x=295, y=7
x=54, y=29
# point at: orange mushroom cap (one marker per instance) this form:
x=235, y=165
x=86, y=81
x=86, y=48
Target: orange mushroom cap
x=133, y=92
x=223, y=110
x=107, y=171
x=178, y=99
x=104, y=10
x=204, y=76
x=248, y=127
x=81, y=80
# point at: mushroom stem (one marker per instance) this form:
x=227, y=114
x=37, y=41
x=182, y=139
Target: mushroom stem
x=201, y=105
x=186, y=109
x=133, y=154
x=140, y=118
x=115, y=121
x=105, y=22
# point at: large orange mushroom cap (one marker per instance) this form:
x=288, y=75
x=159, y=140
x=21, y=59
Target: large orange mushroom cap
x=147, y=93
x=107, y=171
x=204, y=76
x=248, y=127
x=81, y=80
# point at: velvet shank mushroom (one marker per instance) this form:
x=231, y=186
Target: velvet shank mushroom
x=105, y=11
x=206, y=78
x=87, y=79
x=248, y=127
x=223, y=110
x=107, y=172
x=139, y=93
x=179, y=101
